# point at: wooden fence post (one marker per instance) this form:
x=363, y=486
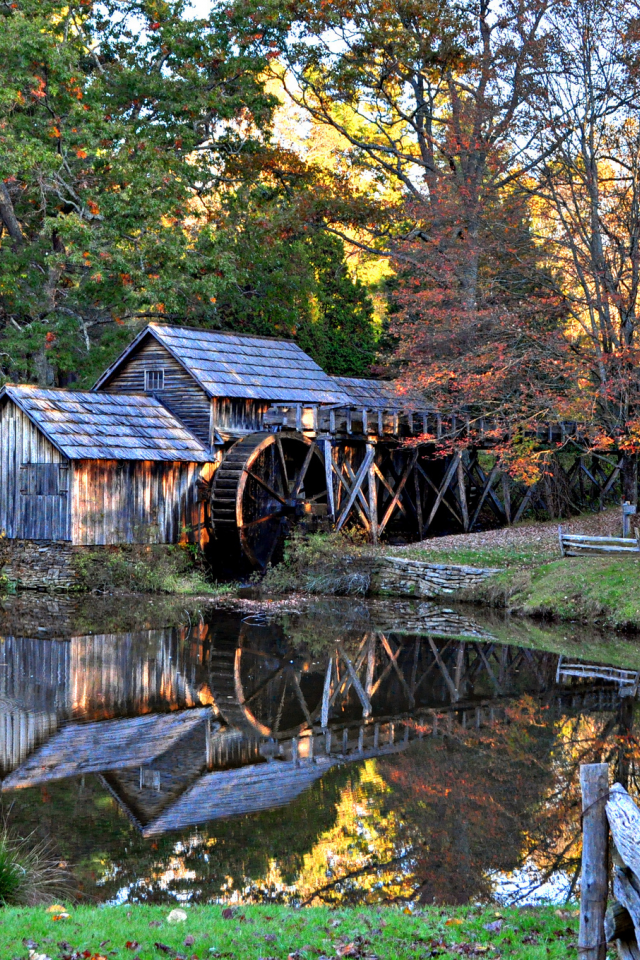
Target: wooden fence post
x=594, y=781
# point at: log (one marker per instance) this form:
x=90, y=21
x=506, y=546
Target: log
x=624, y=820
x=625, y=890
x=618, y=924
x=628, y=950
x=594, y=780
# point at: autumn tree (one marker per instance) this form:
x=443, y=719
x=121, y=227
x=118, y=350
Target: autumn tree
x=586, y=198
x=437, y=106
x=130, y=135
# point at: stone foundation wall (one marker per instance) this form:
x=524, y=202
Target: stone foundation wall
x=42, y=564
x=401, y=577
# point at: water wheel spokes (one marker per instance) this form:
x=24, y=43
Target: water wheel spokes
x=266, y=484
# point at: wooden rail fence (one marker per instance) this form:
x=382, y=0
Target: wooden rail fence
x=580, y=545
x=608, y=810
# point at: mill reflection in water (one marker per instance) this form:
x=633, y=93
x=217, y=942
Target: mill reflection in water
x=455, y=752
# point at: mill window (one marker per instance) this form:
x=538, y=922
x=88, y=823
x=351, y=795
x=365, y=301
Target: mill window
x=44, y=479
x=153, y=380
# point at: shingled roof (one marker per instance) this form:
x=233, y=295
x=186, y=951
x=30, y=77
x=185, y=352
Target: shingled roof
x=375, y=393
x=104, y=426
x=243, y=366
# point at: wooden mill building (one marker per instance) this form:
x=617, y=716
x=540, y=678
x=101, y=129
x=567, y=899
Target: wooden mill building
x=127, y=462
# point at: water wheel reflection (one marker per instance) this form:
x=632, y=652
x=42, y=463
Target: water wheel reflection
x=270, y=692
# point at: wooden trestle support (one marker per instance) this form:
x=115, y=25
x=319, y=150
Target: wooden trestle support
x=343, y=467
x=379, y=482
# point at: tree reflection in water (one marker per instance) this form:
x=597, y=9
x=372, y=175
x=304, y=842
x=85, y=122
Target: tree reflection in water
x=481, y=796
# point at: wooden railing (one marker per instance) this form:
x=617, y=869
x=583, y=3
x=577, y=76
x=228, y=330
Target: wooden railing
x=397, y=421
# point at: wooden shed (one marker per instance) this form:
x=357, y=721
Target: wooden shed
x=219, y=385
x=91, y=468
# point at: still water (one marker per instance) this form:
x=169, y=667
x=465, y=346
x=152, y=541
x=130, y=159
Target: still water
x=343, y=753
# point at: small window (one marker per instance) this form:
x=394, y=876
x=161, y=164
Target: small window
x=153, y=380
x=44, y=479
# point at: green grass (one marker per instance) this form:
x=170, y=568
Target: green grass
x=598, y=590
x=277, y=932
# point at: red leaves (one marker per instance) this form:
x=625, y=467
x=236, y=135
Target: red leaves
x=132, y=944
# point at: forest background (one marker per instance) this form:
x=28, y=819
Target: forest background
x=445, y=192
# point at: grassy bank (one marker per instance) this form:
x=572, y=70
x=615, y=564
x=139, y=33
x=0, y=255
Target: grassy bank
x=599, y=590
x=280, y=932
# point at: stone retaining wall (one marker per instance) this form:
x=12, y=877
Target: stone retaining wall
x=401, y=577
x=42, y=564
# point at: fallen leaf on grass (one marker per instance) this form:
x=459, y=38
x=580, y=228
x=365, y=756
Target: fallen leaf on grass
x=531, y=938
x=189, y=941
x=32, y=945
x=56, y=908
x=155, y=923
x=348, y=950
x=454, y=921
x=270, y=937
x=163, y=947
x=132, y=944
x=494, y=927
x=63, y=945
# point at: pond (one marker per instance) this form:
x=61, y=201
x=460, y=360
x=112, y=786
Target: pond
x=340, y=752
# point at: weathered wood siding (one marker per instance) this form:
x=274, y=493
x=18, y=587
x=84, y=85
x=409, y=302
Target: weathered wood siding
x=181, y=394
x=237, y=418
x=31, y=470
x=125, y=501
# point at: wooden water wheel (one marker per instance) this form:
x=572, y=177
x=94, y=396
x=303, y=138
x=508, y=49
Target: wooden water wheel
x=266, y=483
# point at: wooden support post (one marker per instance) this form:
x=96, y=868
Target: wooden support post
x=294, y=751
x=628, y=511
x=373, y=495
x=376, y=736
x=327, y=742
x=345, y=740
x=462, y=495
x=594, y=781
x=506, y=496
x=328, y=472
x=361, y=740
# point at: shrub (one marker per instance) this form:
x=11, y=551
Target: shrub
x=29, y=872
x=324, y=563
x=141, y=569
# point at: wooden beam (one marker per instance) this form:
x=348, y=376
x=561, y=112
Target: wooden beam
x=448, y=477
x=357, y=484
x=373, y=496
x=328, y=474
x=485, y=492
x=462, y=495
x=398, y=493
